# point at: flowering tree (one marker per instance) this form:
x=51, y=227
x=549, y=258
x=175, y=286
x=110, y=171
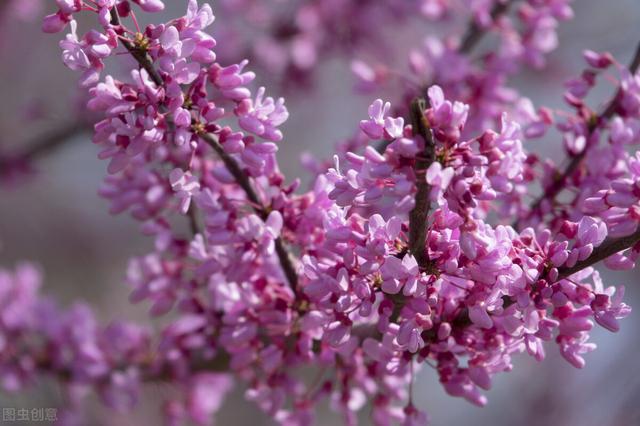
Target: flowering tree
x=418, y=244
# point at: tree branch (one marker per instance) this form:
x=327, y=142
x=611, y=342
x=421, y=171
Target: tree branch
x=284, y=257
x=149, y=372
x=42, y=145
x=474, y=33
x=286, y=262
x=605, y=250
x=418, y=216
x=633, y=68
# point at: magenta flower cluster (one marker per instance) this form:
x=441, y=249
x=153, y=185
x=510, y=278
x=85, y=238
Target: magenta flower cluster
x=404, y=251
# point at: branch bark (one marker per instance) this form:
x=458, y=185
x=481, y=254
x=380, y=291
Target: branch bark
x=220, y=363
x=139, y=55
x=418, y=216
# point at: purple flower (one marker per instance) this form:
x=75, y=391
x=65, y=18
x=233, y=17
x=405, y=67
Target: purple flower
x=185, y=185
x=380, y=125
x=398, y=273
x=262, y=116
x=150, y=5
x=206, y=394
x=271, y=278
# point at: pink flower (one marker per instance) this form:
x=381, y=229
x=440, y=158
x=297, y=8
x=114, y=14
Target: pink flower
x=55, y=23
x=439, y=179
x=598, y=60
x=478, y=314
x=573, y=349
x=380, y=125
x=262, y=116
x=448, y=119
x=185, y=185
x=231, y=80
x=206, y=394
x=397, y=273
x=150, y=5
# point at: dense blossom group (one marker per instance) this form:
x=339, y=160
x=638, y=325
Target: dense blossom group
x=270, y=281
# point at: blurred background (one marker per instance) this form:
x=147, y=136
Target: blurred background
x=56, y=219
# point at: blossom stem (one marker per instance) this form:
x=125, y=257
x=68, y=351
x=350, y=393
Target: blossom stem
x=601, y=252
x=241, y=178
x=554, y=189
x=418, y=216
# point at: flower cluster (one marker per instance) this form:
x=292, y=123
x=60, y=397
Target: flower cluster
x=397, y=257
x=294, y=36
x=602, y=174
x=484, y=292
x=522, y=39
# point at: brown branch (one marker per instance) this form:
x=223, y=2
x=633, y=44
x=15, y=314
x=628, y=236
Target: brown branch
x=475, y=33
x=236, y=171
x=42, y=144
x=149, y=372
x=608, y=248
x=418, y=216
x=241, y=178
x=4, y=9
x=559, y=182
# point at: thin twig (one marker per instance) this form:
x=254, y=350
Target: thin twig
x=286, y=261
x=608, y=248
x=241, y=178
x=420, y=212
x=633, y=68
